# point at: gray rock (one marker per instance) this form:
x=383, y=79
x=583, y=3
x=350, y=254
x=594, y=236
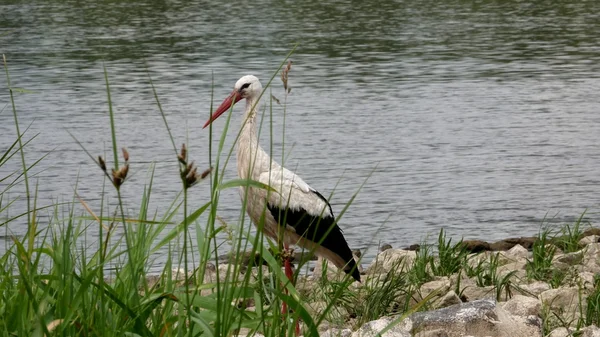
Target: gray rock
x=335, y=314
x=506, y=244
x=503, y=258
x=441, y=285
x=560, y=298
x=460, y=280
x=392, y=260
x=331, y=271
x=518, y=252
x=385, y=247
x=521, y=305
x=592, y=251
x=591, y=231
x=153, y=280
x=570, y=258
x=371, y=329
x=473, y=260
x=335, y=332
x=589, y=240
x=245, y=333
x=447, y=300
x=534, y=288
x=561, y=332
x=432, y=333
x=564, y=301
x=586, y=279
x=561, y=265
x=258, y=272
x=325, y=326
x=473, y=292
x=590, y=331
x=227, y=272
x=475, y=246
x=306, y=286
x=518, y=267
x=373, y=281
x=591, y=257
x=477, y=318
x=591, y=265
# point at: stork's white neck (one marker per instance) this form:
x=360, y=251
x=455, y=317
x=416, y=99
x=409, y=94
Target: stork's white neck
x=250, y=111
x=251, y=158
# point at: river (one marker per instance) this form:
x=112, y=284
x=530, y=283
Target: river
x=478, y=117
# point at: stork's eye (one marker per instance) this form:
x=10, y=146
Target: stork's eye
x=246, y=85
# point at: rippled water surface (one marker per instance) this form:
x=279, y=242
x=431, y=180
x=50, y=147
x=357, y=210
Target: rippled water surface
x=482, y=118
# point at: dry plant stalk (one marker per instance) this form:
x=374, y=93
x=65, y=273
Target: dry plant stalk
x=52, y=325
x=102, y=164
x=275, y=99
x=117, y=177
x=188, y=171
x=205, y=173
x=182, y=157
x=284, y=76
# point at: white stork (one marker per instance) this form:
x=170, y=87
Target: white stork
x=309, y=220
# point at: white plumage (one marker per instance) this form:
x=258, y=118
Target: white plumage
x=310, y=222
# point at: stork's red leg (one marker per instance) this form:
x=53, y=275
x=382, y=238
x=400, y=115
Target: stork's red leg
x=288, y=270
x=284, y=309
x=290, y=275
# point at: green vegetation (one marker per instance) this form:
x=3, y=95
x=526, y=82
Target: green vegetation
x=451, y=258
x=55, y=283
x=568, y=241
x=592, y=315
x=540, y=266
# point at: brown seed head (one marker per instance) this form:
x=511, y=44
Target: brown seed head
x=120, y=175
x=102, y=163
x=117, y=181
x=183, y=152
x=192, y=177
x=189, y=175
x=275, y=99
x=123, y=171
x=125, y=154
x=182, y=156
x=284, y=75
x=206, y=172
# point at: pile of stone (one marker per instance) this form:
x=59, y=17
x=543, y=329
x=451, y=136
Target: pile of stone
x=526, y=309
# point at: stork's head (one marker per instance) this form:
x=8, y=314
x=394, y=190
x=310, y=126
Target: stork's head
x=246, y=87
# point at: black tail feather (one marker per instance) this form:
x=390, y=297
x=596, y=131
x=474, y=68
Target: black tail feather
x=322, y=230
x=352, y=269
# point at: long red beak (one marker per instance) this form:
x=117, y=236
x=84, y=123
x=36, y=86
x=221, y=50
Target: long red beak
x=233, y=98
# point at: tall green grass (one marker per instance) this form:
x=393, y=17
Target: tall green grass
x=55, y=283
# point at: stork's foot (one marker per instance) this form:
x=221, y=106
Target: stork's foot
x=287, y=254
x=286, y=316
x=284, y=254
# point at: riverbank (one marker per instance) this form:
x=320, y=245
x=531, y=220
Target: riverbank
x=540, y=286
x=84, y=269
x=441, y=289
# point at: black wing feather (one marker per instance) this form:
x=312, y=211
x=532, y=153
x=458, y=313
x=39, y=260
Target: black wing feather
x=320, y=229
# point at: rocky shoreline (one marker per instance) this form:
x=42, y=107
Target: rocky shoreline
x=514, y=301
x=525, y=308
